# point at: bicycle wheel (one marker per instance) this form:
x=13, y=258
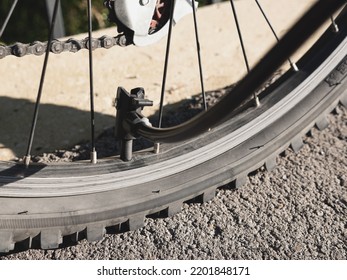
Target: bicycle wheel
x=46, y=205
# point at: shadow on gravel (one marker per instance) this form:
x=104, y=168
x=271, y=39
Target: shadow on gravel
x=58, y=127
x=63, y=133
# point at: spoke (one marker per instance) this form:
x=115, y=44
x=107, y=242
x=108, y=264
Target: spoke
x=8, y=17
x=256, y=99
x=39, y=94
x=240, y=35
x=93, y=153
x=199, y=56
x=292, y=64
x=168, y=44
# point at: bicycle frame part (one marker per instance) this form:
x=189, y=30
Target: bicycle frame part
x=129, y=107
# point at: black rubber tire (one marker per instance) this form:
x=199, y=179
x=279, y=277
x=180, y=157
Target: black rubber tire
x=47, y=205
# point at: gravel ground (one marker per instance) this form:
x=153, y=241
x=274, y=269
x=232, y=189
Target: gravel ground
x=297, y=211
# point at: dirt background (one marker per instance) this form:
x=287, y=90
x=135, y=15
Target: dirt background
x=297, y=211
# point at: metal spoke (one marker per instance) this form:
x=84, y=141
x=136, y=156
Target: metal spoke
x=59, y=30
x=8, y=17
x=39, y=94
x=93, y=153
x=256, y=99
x=199, y=56
x=168, y=44
x=292, y=64
x=163, y=85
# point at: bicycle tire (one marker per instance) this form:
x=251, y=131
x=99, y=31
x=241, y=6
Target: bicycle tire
x=45, y=206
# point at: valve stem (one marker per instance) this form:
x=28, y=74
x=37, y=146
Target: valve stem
x=334, y=26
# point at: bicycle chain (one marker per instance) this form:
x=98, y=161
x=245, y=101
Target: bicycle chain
x=71, y=45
